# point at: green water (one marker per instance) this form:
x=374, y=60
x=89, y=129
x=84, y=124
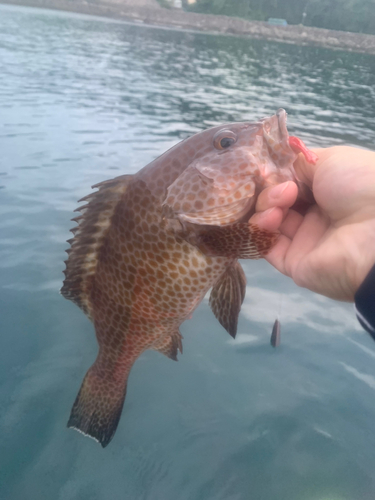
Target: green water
x=82, y=100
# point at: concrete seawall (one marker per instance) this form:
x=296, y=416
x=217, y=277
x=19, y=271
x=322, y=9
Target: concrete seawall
x=148, y=12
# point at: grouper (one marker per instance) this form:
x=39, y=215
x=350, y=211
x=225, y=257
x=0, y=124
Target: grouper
x=148, y=247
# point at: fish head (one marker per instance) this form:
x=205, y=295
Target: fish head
x=220, y=186
x=279, y=156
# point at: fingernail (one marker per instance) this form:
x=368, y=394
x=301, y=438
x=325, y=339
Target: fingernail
x=278, y=191
x=266, y=213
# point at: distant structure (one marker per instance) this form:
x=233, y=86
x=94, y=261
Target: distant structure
x=131, y=3
x=175, y=4
x=277, y=22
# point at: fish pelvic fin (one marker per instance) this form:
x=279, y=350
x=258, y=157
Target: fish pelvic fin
x=97, y=409
x=171, y=345
x=227, y=296
x=240, y=241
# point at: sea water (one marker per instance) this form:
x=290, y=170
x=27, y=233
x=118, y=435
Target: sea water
x=84, y=99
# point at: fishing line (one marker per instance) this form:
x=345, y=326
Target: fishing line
x=281, y=303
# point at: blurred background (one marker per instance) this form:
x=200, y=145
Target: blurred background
x=84, y=99
x=345, y=15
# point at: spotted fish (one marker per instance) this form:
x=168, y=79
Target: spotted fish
x=148, y=247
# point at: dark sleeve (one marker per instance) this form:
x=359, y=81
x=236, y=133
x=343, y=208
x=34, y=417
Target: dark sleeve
x=365, y=303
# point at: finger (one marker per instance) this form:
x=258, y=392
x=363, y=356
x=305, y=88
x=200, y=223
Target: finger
x=278, y=253
x=291, y=224
x=269, y=220
x=305, y=171
x=287, y=253
x=282, y=195
x=307, y=238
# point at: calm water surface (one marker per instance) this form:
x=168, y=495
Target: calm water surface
x=82, y=100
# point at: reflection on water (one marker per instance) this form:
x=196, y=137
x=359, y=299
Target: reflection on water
x=84, y=99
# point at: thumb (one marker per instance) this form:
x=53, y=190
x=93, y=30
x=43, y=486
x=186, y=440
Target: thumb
x=305, y=171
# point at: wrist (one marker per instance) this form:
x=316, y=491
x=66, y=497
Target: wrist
x=358, y=246
x=366, y=256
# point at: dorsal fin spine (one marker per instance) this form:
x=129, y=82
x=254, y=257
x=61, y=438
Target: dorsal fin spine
x=92, y=228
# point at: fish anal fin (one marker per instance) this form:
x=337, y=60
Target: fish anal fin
x=240, y=241
x=227, y=296
x=170, y=345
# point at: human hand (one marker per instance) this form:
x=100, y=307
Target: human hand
x=331, y=248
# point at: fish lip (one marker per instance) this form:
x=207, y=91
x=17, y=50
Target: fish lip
x=282, y=118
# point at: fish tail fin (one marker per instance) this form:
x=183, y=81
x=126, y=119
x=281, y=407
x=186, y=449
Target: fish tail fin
x=97, y=409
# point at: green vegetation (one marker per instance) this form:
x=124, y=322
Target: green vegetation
x=345, y=15
x=167, y=4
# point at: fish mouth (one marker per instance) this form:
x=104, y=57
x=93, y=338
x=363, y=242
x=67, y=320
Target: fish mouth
x=274, y=129
x=281, y=117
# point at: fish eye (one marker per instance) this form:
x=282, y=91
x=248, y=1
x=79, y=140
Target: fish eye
x=224, y=139
x=226, y=142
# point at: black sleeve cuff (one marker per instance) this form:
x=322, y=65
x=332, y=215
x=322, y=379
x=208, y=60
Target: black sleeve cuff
x=365, y=303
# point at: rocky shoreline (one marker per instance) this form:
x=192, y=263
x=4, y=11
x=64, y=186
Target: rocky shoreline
x=157, y=16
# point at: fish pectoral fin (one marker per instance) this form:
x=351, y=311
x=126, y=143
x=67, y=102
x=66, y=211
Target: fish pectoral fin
x=227, y=296
x=241, y=241
x=171, y=345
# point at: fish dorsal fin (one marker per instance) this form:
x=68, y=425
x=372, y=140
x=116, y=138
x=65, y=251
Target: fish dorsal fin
x=93, y=224
x=227, y=296
x=170, y=345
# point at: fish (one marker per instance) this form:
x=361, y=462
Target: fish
x=148, y=247
x=275, y=335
